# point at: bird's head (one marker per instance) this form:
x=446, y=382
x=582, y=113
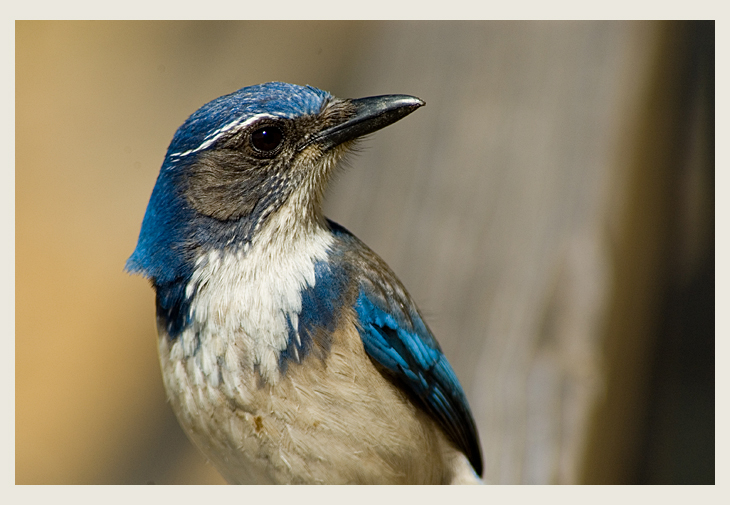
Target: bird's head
x=240, y=159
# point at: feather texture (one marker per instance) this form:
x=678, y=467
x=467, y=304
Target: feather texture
x=290, y=352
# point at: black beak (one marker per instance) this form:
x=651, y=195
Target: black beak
x=371, y=114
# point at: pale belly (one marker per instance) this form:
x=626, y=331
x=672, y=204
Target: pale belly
x=335, y=421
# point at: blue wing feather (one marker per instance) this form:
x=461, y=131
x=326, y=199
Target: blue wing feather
x=417, y=361
x=395, y=336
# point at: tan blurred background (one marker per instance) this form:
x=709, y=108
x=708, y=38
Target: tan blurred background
x=551, y=210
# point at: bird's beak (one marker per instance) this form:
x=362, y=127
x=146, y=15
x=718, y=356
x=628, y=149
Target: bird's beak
x=371, y=114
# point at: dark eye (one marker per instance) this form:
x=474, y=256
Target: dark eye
x=267, y=139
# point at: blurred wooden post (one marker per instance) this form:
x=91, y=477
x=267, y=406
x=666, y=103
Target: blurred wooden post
x=649, y=258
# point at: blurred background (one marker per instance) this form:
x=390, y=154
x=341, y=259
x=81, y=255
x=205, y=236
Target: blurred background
x=551, y=210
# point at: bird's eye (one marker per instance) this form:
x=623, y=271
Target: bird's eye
x=267, y=139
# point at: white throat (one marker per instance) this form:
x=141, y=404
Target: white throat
x=245, y=299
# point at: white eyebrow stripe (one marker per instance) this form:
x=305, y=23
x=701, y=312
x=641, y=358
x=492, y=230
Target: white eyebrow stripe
x=215, y=135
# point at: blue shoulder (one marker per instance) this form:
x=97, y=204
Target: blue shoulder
x=396, y=337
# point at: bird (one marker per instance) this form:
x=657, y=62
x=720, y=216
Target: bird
x=290, y=351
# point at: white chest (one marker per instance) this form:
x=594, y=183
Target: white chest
x=245, y=302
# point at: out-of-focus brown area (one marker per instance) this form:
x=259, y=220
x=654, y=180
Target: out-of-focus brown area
x=551, y=210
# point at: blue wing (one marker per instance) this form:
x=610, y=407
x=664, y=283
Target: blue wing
x=395, y=336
